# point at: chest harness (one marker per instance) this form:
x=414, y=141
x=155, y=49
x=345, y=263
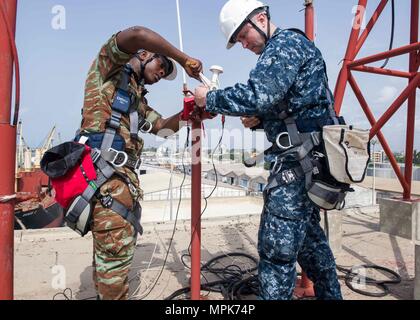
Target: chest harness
x=107, y=154
x=306, y=148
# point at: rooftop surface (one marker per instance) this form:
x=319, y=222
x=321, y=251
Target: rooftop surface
x=37, y=252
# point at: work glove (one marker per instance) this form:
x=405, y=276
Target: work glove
x=250, y=122
x=201, y=96
x=193, y=67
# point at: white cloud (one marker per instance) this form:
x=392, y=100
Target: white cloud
x=387, y=94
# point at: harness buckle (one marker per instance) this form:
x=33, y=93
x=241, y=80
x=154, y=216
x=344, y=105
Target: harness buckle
x=315, y=136
x=95, y=154
x=120, y=158
x=288, y=176
x=107, y=201
x=279, y=141
x=134, y=164
x=278, y=165
x=138, y=165
x=133, y=190
x=146, y=127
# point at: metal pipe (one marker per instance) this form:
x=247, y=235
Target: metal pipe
x=8, y=158
x=340, y=88
x=387, y=54
x=381, y=138
x=309, y=20
x=305, y=286
x=385, y=72
x=196, y=211
x=411, y=114
x=8, y=7
x=414, y=83
x=181, y=42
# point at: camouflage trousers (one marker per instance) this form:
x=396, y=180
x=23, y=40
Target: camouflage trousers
x=114, y=242
x=290, y=232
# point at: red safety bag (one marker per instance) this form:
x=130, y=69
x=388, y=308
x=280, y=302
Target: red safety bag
x=70, y=168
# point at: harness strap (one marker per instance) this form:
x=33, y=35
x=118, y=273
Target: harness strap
x=106, y=171
x=134, y=124
x=133, y=216
x=284, y=178
x=330, y=197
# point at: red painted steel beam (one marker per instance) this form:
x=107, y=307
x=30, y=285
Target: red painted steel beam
x=8, y=8
x=370, y=26
x=196, y=211
x=418, y=61
x=8, y=145
x=371, y=119
x=411, y=114
x=414, y=83
x=309, y=20
x=385, y=55
x=385, y=72
x=340, y=88
x=304, y=287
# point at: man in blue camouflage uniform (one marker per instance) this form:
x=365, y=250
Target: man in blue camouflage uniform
x=290, y=70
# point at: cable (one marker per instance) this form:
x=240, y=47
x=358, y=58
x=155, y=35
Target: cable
x=391, y=44
x=136, y=294
x=233, y=284
x=176, y=218
x=350, y=276
x=211, y=193
x=67, y=294
x=206, y=198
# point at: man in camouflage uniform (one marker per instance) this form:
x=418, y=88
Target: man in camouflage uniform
x=290, y=69
x=114, y=238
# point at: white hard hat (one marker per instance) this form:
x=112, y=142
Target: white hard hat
x=172, y=76
x=233, y=15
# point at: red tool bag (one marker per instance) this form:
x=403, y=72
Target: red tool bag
x=70, y=168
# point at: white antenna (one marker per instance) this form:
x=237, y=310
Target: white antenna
x=181, y=43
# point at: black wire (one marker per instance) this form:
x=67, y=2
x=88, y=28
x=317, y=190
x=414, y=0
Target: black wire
x=206, y=200
x=67, y=294
x=391, y=44
x=234, y=282
x=209, y=196
x=187, y=142
x=350, y=275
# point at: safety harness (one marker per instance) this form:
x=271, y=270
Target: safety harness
x=306, y=149
x=107, y=154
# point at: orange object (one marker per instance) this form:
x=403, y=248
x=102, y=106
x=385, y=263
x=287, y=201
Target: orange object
x=304, y=288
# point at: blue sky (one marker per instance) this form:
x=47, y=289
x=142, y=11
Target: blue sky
x=54, y=63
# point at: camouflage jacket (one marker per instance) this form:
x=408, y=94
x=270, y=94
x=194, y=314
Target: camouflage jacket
x=290, y=70
x=100, y=89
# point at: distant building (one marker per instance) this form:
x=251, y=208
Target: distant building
x=253, y=180
x=378, y=157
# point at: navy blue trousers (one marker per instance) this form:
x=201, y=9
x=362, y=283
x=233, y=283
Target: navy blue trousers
x=290, y=233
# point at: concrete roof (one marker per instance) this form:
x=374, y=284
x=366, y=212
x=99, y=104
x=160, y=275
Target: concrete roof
x=159, y=181
x=37, y=252
x=390, y=185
